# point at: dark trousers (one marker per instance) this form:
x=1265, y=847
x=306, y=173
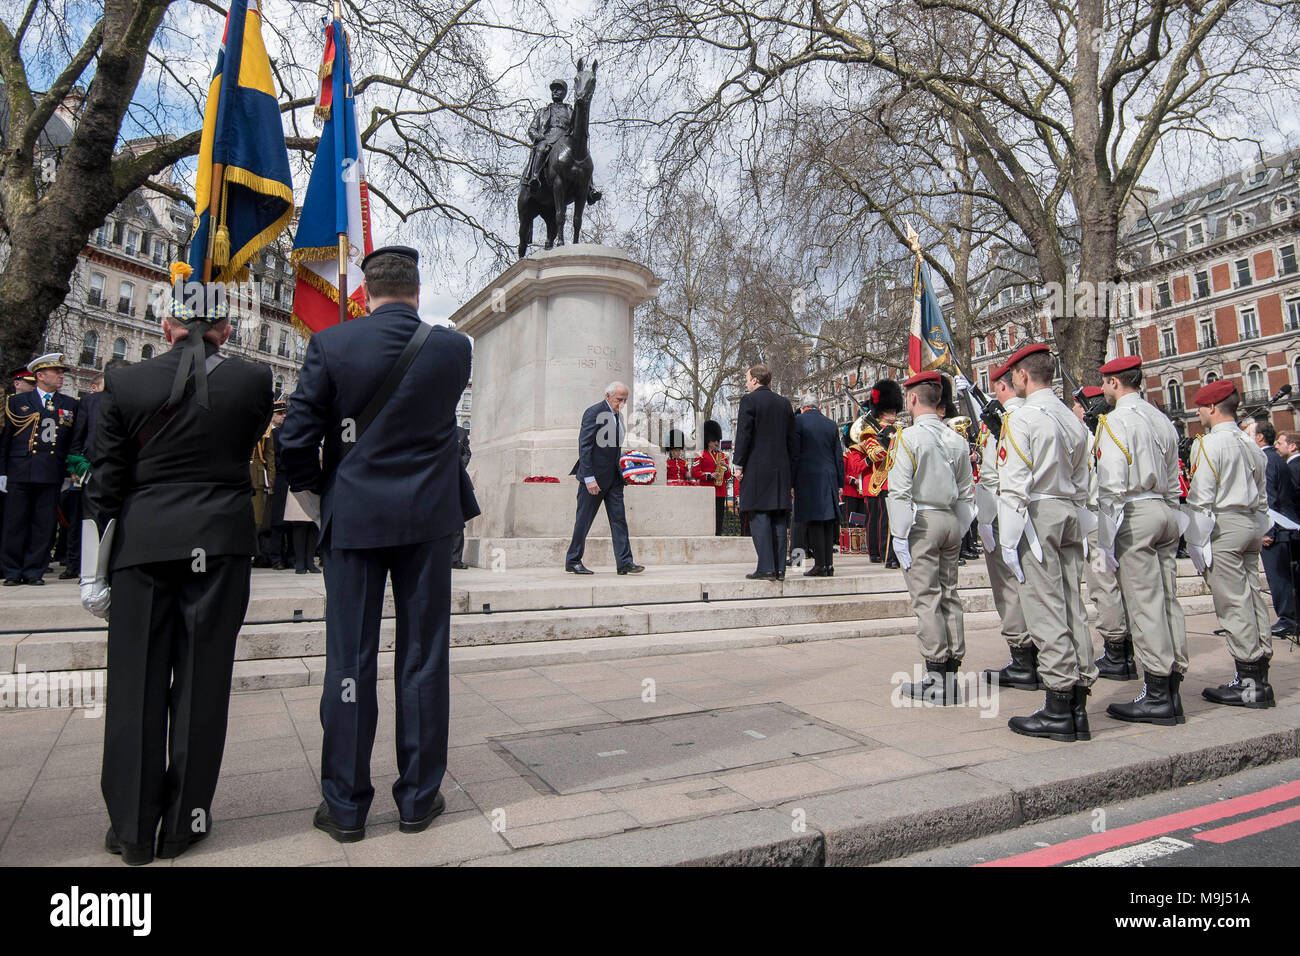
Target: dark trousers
x=458, y=547
x=29, y=529
x=875, y=508
x=72, y=512
x=820, y=536
x=719, y=514
x=768, y=529
x=588, y=505
x=278, y=547
x=171, y=649
x=349, y=707
x=304, y=544
x=1276, y=559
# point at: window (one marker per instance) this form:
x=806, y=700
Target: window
x=1281, y=206
x=1249, y=324
x=1203, y=284
x=95, y=295
x=979, y=346
x=119, y=349
x=1205, y=335
x=1003, y=344
x=125, y=298
x=159, y=251
x=89, y=350
x=1295, y=367
x=984, y=380
x=284, y=344
x=1288, y=259
x=1132, y=346
x=117, y=233
x=1173, y=395
x=1196, y=234
x=1168, y=346
x=1162, y=295
x=1243, y=272
x=1292, y=314
x=264, y=338
x=153, y=308
x=104, y=234
x=146, y=353
x=279, y=386
x=1256, y=386
x=1178, y=208
x=132, y=242
x=1212, y=377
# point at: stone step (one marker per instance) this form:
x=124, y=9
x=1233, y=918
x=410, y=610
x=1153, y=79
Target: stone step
x=649, y=550
x=87, y=649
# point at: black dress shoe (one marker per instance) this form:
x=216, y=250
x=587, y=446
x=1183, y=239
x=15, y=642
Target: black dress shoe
x=892, y=564
x=631, y=569
x=1281, y=629
x=13, y=582
x=302, y=571
x=813, y=572
x=35, y=582
x=132, y=854
x=578, y=569
x=324, y=820
x=459, y=566
x=169, y=849
x=279, y=566
x=764, y=576
x=68, y=573
x=780, y=575
x=415, y=826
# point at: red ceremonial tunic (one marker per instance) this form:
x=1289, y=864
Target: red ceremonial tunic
x=703, y=471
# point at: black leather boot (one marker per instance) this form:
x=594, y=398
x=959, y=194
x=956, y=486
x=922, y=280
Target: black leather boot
x=1117, y=663
x=1079, y=710
x=1175, y=679
x=951, y=691
x=1250, y=688
x=931, y=687
x=1021, y=673
x=1055, y=721
x=1155, y=705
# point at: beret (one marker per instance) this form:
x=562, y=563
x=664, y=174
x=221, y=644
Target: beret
x=921, y=377
x=1122, y=364
x=1091, y=391
x=406, y=251
x=1016, y=356
x=1215, y=392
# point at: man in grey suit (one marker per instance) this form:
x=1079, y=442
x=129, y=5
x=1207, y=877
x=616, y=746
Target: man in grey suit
x=600, y=479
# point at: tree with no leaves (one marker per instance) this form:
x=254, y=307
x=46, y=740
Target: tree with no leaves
x=1061, y=103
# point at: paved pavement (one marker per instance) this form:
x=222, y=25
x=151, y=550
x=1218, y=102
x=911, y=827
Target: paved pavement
x=835, y=774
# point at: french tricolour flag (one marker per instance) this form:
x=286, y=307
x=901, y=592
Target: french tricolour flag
x=337, y=200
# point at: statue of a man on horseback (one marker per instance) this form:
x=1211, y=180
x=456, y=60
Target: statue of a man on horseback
x=559, y=167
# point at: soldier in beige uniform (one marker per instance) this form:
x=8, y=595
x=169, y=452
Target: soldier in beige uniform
x=930, y=507
x=1043, y=520
x=1116, y=661
x=1228, y=510
x=1022, y=672
x=1137, y=498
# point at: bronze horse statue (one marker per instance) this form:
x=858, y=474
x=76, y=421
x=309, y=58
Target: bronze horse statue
x=565, y=176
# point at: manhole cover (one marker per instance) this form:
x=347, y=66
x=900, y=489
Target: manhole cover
x=621, y=754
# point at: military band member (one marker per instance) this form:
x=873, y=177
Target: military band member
x=34, y=444
x=1022, y=672
x=676, y=468
x=1136, y=452
x=930, y=505
x=1227, y=504
x=261, y=471
x=712, y=469
x=884, y=401
x=1043, y=519
x=1116, y=661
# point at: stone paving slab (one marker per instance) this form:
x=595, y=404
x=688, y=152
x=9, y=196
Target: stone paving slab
x=914, y=777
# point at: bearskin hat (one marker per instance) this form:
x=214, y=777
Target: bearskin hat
x=675, y=439
x=844, y=436
x=885, y=396
x=712, y=432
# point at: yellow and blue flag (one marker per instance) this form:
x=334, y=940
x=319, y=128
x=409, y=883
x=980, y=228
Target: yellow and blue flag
x=243, y=191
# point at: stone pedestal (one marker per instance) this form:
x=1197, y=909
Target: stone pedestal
x=550, y=333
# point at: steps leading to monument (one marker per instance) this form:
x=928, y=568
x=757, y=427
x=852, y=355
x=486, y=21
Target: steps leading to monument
x=649, y=550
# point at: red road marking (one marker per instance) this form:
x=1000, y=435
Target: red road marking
x=1136, y=832
x=1245, y=828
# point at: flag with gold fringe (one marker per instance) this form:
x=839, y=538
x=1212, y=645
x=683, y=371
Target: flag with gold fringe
x=243, y=190
x=929, y=343
x=337, y=202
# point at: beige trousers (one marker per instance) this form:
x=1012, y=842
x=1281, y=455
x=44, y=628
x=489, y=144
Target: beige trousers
x=1234, y=582
x=1006, y=598
x=1051, y=600
x=935, y=541
x=1105, y=592
x=1146, y=546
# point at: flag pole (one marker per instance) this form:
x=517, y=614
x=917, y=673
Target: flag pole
x=218, y=176
x=343, y=236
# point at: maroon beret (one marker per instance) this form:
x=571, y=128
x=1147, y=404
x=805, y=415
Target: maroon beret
x=1091, y=391
x=920, y=377
x=1121, y=364
x=1215, y=392
x=1016, y=356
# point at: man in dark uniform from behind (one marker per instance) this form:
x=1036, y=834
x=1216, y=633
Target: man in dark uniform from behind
x=392, y=496
x=767, y=456
x=177, y=485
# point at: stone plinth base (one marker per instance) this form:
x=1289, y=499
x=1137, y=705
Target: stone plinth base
x=504, y=553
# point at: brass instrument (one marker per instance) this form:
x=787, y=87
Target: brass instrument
x=960, y=424
x=720, y=472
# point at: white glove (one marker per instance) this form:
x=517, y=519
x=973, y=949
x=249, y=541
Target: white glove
x=903, y=551
x=4, y=483
x=95, y=597
x=961, y=384
x=1111, y=561
x=986, y=536
x=1198, y=558
x=1011, y=557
